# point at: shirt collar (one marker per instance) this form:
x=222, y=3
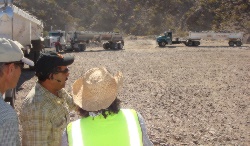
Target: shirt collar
x=62, y=94
x=45, y=91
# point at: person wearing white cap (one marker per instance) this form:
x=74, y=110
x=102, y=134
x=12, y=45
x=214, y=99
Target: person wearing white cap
x=103, y=123
x=11, y=63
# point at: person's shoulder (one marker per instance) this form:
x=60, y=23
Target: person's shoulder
x=7, y=113
x=9, y=126
x=34, y=107
x=4, y=107
x=33, y=102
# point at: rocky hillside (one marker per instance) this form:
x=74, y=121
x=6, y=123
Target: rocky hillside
x=141, y=17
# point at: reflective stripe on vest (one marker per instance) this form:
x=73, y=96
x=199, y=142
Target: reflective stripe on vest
x=132, y=128
x=77, y=134
x=121, y=129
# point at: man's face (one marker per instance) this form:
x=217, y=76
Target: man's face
x=13, y=72
x=61, y=76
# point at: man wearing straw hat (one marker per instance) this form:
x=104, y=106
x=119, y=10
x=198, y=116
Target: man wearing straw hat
x=103, y=123
x=11, y=63
x=45, y=111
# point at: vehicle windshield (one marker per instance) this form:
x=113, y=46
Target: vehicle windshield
x=56, y=34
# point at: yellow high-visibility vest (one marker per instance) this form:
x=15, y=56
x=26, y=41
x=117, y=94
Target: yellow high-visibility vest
x=121, y=129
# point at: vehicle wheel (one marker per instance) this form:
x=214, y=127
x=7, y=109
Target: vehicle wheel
x=231, y=43
x=82, y=47
x=190, y=43
x=238, y=43
x=77, y=49
x=114, y=46
x=106, y=46
x=196, y=43
x=69, y=50
x=119, y=46
x=162, y=44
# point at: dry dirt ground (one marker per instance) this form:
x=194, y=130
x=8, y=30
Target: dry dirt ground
x=187, y=95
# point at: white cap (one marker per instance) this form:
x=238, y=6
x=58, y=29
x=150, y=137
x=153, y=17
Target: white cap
x=10, y=51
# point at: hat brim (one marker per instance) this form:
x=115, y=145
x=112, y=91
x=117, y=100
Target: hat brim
x=27, y=61
x=93, y=95
x=67, y=60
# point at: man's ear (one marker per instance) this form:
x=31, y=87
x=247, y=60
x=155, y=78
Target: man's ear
x=8, y=71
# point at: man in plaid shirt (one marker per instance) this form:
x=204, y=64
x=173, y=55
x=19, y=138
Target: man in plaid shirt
x=11, y=64
x=45, y=111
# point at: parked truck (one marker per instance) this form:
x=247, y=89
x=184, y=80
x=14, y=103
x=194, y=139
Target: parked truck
x=70, y=41
x=77, y=40
x=20, y=26
x=194, y=38
x=113, y=41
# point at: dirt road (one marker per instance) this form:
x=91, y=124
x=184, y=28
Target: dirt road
x=187, y=95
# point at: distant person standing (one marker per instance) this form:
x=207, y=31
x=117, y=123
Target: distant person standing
x=11, y=63
x=45, y=111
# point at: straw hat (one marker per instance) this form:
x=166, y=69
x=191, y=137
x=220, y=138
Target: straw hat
x=97, y=89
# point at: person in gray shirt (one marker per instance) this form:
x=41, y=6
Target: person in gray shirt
x=11, y=63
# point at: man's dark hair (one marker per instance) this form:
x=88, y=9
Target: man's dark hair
x=42, y=77
x=113, y=108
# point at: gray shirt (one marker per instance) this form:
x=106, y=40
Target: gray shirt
x=9, y=135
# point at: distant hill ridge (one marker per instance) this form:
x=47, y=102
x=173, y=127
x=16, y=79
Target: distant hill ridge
x=141, y=17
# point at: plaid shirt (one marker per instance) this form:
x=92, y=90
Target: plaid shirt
x=44, y=116
x=9, y=135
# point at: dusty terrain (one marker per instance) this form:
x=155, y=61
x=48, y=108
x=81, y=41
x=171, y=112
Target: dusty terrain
x=187, y=95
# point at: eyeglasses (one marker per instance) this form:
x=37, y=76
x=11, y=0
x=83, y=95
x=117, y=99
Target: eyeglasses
x=18, y=63
x=66, y=70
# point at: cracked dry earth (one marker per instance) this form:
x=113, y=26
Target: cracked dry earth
x=187, y=95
